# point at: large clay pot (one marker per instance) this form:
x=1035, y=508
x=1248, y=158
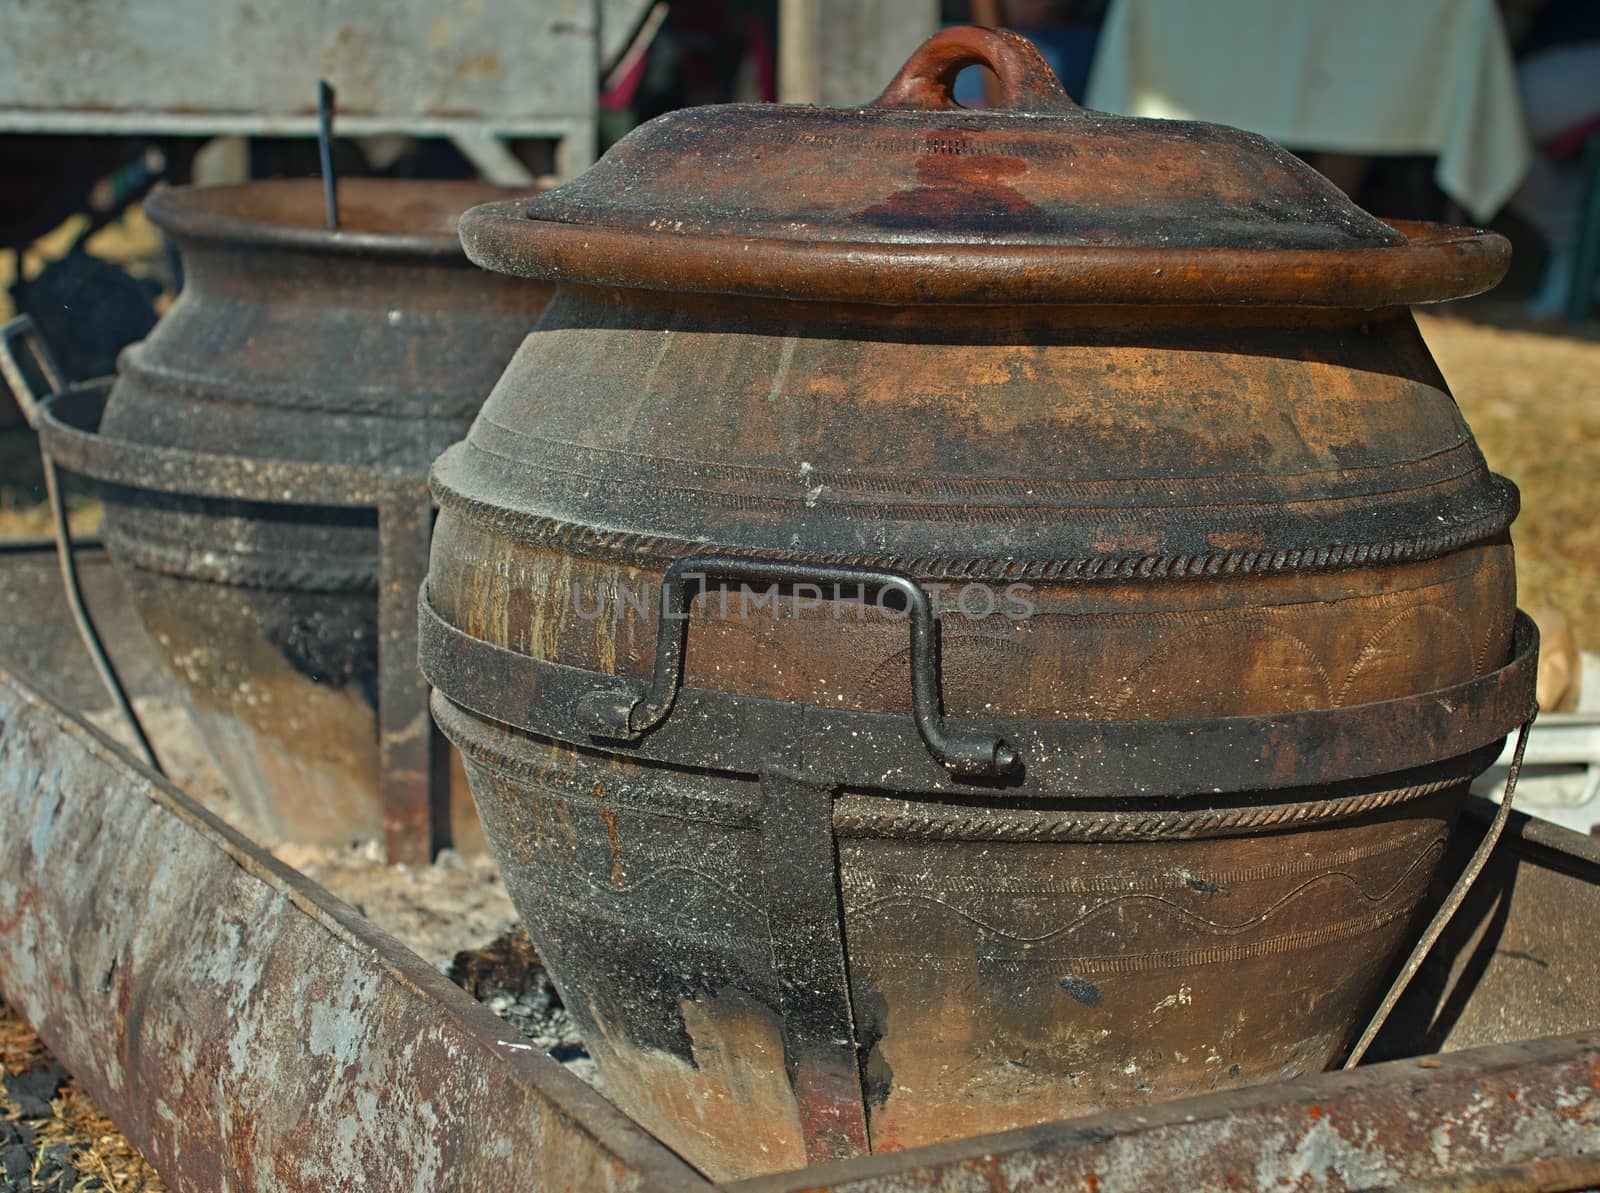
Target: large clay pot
x=367, y=347
x=1223, y=592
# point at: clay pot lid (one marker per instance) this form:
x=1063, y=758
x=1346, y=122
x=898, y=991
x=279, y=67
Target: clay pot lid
x=916, y=199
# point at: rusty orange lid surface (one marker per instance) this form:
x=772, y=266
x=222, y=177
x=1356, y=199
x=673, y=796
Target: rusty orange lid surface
x=916, y=199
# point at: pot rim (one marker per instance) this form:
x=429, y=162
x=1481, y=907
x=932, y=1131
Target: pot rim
x=1435, y=263
x=420, y=214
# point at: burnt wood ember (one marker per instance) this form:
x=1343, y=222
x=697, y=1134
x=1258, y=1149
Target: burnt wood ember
x=365, y=348
x=963, y=619
x=507, y=976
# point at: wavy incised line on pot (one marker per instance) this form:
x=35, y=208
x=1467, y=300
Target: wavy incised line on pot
x=629, y=924
x=850, y=818
x=879, y=906
x=1370, y=649
x=1480, y=660
x=654, y=550
x=1138, y=962
x=1129, y=697
x=852, y=879
x=634, y=885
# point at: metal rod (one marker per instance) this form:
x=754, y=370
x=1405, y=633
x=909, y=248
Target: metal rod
x=330, y=183
x=1447, y=910
x=86, y=628
x=21, y=331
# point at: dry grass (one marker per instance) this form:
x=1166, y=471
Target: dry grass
x=1533, y=400
x=20, y=1050
x=98, y=1148
x=20, y=518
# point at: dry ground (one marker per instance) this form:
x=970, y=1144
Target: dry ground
x=96, y=1150
x=1533, y=399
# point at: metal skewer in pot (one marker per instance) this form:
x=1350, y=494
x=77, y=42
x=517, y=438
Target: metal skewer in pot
x=262, y=454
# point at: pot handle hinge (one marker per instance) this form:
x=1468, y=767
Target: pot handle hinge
x=624, y=716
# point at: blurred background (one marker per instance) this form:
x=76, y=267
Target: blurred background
x=1470, y=111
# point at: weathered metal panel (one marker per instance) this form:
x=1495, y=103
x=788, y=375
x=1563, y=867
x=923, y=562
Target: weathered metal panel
x=246, y=1030
x=502, y=63
x=1524, y=1115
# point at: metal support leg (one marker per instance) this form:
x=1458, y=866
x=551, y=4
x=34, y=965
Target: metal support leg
x=20, y=334
x=413, y=788
x=801, y=873
x=1447, y=910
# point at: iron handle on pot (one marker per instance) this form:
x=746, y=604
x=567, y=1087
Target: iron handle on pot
x=927, y=81
x=969, y=755
x=19, y=336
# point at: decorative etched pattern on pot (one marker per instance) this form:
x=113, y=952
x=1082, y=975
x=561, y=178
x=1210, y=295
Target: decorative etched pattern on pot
x=651, y=924
x=1116, y=969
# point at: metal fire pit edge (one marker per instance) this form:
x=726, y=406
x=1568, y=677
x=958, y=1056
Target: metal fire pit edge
x=242, y=1026
x=1505, y=1117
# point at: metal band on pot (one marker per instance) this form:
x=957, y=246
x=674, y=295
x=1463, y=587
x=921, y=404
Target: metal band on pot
x=69, y=425
x=1122, y=760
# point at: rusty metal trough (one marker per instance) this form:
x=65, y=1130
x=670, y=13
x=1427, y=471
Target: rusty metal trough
x=248, y=1031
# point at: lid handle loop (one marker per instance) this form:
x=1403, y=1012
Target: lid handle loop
x=927, y=81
